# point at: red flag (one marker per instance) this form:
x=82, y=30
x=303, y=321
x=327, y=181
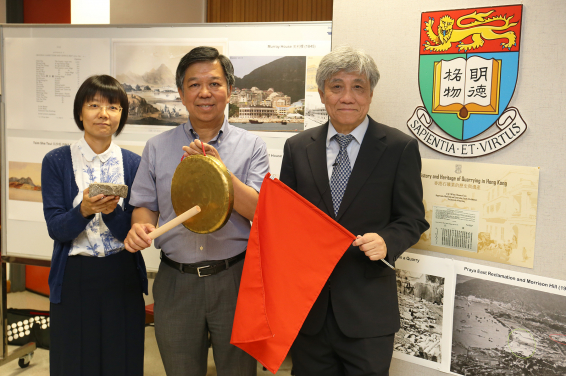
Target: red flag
x=292, y=250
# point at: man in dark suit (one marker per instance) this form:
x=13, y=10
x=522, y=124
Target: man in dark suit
x=366, y=176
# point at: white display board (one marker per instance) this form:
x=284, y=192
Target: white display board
x=43, y=66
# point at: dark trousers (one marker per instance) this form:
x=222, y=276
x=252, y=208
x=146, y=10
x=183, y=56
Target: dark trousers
x=187, y=310
x=331, y=353
x=98, y=329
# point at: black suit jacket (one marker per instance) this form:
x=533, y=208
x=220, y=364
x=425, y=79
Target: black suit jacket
x=384, y=195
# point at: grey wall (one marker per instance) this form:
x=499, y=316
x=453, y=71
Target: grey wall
x=389, y=31
x=153, y=11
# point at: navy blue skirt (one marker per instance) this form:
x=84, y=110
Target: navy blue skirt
x=98, y=328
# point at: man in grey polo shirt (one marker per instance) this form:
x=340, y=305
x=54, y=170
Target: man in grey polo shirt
x=187, y=307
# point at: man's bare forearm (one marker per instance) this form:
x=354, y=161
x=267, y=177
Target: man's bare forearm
x=245, y=198
x=144, y=215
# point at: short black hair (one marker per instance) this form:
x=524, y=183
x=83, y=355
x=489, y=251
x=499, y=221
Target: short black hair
x=108, y=88
x=204, y=53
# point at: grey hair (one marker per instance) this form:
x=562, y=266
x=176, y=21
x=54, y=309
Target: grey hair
x=347, y=59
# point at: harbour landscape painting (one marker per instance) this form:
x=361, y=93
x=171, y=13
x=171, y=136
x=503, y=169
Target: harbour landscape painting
x=269, y=94
x=503, y=329
x=24, y=181
x=146, y=71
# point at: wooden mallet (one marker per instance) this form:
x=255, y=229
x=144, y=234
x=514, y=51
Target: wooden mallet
x=174, y=222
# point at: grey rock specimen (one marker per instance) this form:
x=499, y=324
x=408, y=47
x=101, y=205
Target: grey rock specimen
x=108, y=189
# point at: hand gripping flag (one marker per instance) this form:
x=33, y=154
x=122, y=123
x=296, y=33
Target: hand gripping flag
x=292, y=250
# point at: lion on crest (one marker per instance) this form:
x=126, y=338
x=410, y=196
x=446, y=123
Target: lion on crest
x=448, y=35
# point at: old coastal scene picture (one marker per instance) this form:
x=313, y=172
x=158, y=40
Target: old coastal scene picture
x=421, y=301
x=505, y=329
x=425, y=286
x=146, y=70
x=315, y=111
x=24, y=181
x=269, y=94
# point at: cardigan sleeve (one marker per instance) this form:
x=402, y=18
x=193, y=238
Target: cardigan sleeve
x=119, y=221
x=64, y=223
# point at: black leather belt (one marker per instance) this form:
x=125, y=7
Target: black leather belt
x=205, y=268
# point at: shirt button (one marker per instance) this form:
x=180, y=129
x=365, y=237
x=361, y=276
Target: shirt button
x=201, y=247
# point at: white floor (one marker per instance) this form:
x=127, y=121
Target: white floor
x=153, y=366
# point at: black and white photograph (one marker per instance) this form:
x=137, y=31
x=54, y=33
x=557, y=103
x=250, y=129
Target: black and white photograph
x=425, y=292
x=506, y=329
x=269, y=94
x=421, y=300
x=146, y=70
x=315, y=111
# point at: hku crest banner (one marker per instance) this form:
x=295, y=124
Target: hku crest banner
x=468, y=69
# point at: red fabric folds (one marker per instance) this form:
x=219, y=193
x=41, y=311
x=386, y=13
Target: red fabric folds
x=292, y=250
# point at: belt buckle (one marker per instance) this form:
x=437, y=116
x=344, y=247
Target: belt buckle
x=202, y=267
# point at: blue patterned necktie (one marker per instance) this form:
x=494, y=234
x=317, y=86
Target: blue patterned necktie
x=341, y=171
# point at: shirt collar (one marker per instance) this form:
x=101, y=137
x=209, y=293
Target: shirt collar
x=358, y=132
x=222, y=133
x=89, y=154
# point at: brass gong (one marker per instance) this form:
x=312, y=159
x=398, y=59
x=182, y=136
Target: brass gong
x=203, y=181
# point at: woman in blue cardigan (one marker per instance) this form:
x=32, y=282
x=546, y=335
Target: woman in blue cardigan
x=97, y=307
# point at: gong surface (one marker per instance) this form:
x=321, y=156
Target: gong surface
x=203, y=181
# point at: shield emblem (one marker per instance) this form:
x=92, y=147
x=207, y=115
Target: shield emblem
x=468, y=67
x=458, y=169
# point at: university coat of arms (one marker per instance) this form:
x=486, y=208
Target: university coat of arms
x=468, y=68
